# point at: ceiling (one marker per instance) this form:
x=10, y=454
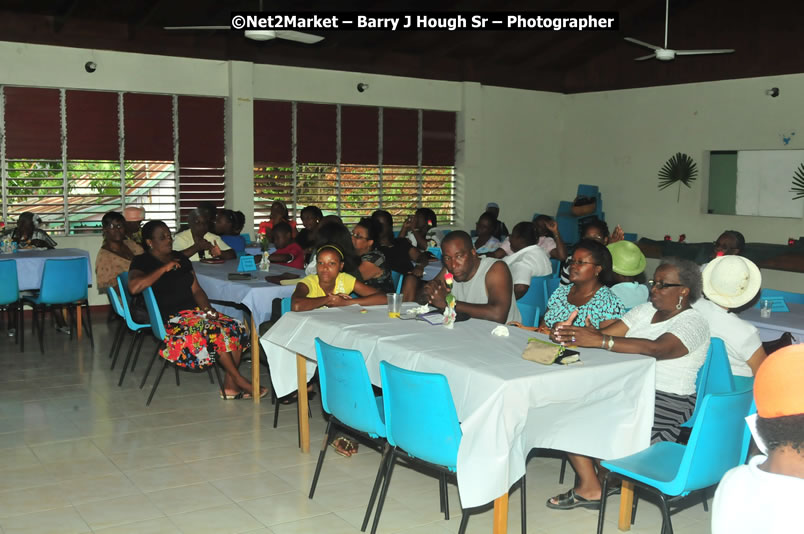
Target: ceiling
x=766, y=39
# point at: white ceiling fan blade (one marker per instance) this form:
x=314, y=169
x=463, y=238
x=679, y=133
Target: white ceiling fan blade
x=643, y=58
x=300, y=37
x=699, y=52
x=642, y=43
x=197, y=28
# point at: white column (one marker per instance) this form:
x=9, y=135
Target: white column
x=239, y=127
x=472, y=188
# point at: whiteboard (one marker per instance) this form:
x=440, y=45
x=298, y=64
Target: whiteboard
x=764, y=178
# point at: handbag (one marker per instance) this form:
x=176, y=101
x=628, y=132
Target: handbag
x=139, y=311
x=783, y=341
x=547, y=353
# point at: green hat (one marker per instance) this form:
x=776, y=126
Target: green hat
x=626, y=258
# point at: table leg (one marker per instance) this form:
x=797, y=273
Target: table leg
x=255, y=360
x=626, y=502
x=79, y=325
x=304, y=421
x=500, y=525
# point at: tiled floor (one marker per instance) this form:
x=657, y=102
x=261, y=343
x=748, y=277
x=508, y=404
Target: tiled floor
x=79, y=454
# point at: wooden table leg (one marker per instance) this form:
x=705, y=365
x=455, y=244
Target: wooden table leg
x=78, y=320
x=255, y=360
x=304, y=421
x=626, y=502
x=500, y=525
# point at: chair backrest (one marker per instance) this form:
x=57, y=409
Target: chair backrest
x=63, y=281
x=716, y=442
x=533, y=301
x=552, y=285
x=396, y=280
x=714, y=376
x=747, y=430
x=633, y=238
x=435, y=251
x=157, y=327
x=125, y=302
x=114, y=300
x=420, y=415
x=9, y=285
x=236, y=242
x=246, y=238
x=346, y=390
x=788, y=296
x=556, y=265
x=284, y=306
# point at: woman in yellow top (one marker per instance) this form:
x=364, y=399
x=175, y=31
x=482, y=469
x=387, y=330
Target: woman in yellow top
x=330, y=287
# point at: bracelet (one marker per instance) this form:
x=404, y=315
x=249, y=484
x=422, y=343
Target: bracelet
x=603, y=342
x=611, y=343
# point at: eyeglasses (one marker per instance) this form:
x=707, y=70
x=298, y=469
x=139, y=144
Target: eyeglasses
x=661, y=285
x=358, y=236
x=581, y=263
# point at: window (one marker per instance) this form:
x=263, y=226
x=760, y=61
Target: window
x=352, y=160
x=71, y=156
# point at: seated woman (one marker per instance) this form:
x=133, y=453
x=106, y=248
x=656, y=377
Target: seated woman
x=288, y=252
x=333, y=231
x=667, y=329
x=225, y=223
x=628, y=264
x=373, y=269
x=197, y=336
x=279, y=213
x=550, y=238
x=589, y=272
x=27, y=234
x=485, y=242
x=311, y=218
x=197, y=242
x=116, y=253
x=330, y=286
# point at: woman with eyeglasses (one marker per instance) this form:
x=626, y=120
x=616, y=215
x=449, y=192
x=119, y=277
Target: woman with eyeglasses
x=587, y=293
x=116, y=253
x=373, y=269
x=666, y=328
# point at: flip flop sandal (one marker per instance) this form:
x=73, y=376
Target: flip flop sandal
x=237, y=396
x=294, y=397
x=342, y=446
x=570, y=500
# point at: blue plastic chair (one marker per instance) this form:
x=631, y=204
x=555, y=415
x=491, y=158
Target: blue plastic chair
x=533, y=301
x=556, y=265
x=236, y=242
x=552, y=285
x=435, y=251
x=716, y=445
x=788, y=296
x=10, y=296
x=285, y=306
x=246, y=238
x=64, y=283
x=714, y=376
x=138, y=329
x=396, y=280
x=347, y=395
x=422, y=426
x=633, y=238
x=159, y=332
x=117, y=307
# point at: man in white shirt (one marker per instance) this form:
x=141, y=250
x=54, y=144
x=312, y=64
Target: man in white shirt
x=528, y=258
x=198, y=242
x=766, y=495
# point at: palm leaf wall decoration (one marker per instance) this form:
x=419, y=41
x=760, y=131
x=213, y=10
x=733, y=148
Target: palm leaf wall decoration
x=798, y=183
x=679, y=169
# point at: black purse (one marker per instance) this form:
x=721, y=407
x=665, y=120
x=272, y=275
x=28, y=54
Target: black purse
x=139, y=311
x=783, y=341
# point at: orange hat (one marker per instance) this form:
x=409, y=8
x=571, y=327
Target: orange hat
x=778, y=385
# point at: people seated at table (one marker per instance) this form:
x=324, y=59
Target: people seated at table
x=134, y=215
x=765, y=495
x=731, y=282
x=482, y=287
x=197, y=336
x=29, y=234
x=197, y=242
x=287, y=252
x=373, y=269
x=225, y=222
x=330, y=286
x=485, y=242
x=333, y=231
x=528, y=258
x=399, y=253
x=116, y=253
x=666, y=328
x=500, y=231
x=311, y=218
x=628, y=266
x=279, y=213
x=587, y=292
x=597, y=230
x=421, y=231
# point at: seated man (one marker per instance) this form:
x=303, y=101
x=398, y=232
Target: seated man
x=288, y=252
x=483, y=287
x=765, y=495
x=198, y=242
x=134, y=215
x=500, y=231
x=528, y=258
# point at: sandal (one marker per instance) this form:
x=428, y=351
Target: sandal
x=294, y=397
x=570, y=500
x=344, y=446
x=242, y=395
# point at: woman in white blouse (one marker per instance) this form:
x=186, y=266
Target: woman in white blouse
x=666, y=328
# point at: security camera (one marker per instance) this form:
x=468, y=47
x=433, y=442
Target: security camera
x=773, y=92
x=361, y=87
x=90, y=66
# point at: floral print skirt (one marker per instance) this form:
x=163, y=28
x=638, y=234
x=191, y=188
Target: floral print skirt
x=194, y=340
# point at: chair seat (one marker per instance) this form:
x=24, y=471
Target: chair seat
x=656, y=466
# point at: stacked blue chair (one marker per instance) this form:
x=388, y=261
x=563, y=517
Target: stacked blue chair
x=159, y=332
x=717, y=444
x=10, y=296
x=534, y=302
x=422, y=427
x=569, y=223
x=139, y=329
x=348, y=397
x=64, y=283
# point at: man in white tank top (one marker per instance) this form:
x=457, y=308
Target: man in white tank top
x=483, y=287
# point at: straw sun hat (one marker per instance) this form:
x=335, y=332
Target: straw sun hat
x=731, y=281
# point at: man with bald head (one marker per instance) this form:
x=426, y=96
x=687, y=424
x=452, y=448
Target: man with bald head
x=483, y=287
x=198, y=242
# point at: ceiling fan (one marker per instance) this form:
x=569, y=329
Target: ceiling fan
x=668, y=54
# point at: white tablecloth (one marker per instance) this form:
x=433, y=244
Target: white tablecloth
x=31, y=263
x=778, y=323
x=507, y=406
x=255, y=294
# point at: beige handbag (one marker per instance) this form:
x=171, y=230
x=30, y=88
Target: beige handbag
x=547, y=353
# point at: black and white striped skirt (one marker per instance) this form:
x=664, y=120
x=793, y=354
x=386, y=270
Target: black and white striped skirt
x=670, y=412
